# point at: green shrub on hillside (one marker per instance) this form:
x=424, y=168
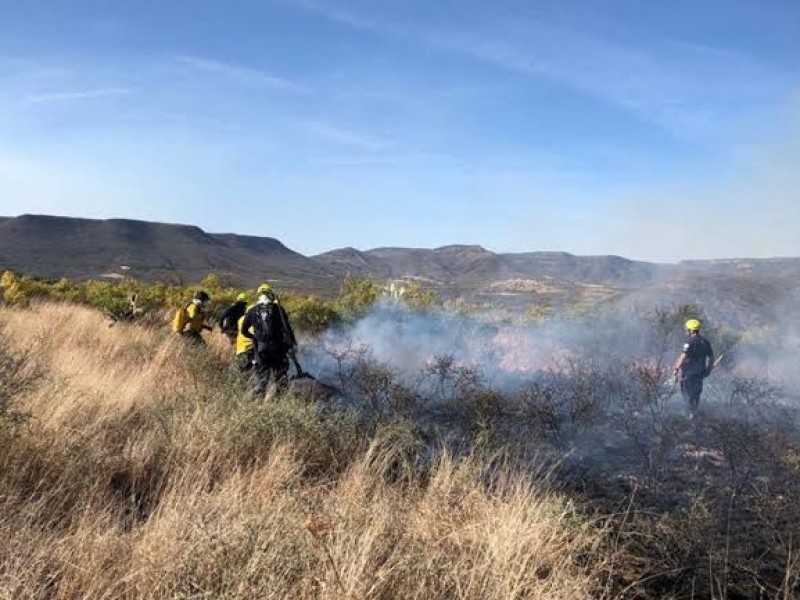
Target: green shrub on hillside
x=11, y=290
x=357, y=296
x=309, y=314
x=416, y=297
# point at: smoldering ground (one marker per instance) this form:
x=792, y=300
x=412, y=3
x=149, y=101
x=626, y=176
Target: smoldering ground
x=508, y=352
x=593, y=399
x=505, y=350
x=598, y=389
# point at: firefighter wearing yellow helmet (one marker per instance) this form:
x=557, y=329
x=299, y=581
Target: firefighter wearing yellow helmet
x=694, y=364
x=265, y=289
x=266, y=326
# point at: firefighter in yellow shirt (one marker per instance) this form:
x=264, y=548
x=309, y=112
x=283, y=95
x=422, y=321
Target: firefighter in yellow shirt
x=245, y=348
x=190, y=321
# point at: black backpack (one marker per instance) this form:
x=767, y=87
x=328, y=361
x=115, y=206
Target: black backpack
x=268, y=329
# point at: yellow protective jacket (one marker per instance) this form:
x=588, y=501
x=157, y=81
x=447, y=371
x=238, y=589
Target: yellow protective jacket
x=197, y=318
x=243, y=344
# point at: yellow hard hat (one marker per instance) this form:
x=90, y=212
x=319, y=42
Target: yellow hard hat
x=264, y=288
x=692, y=325
x=242, y=297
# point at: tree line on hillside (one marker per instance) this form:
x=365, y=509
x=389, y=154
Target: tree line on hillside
x=118, y=299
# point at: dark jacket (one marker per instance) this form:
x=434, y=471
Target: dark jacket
x=229, y=318
x=283, y=338
x=699, y=357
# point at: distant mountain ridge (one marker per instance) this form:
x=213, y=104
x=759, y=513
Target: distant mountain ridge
x=85, y=248
x=468, y=265
x=54, y=247
x=445, y=265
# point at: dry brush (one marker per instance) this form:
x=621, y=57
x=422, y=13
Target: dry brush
x=132, y=466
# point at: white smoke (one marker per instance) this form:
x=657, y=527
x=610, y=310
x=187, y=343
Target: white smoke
x=510, y=352
x=503, y=349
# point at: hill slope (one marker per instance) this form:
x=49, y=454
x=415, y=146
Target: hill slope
x=55, y=247
x=83, y=248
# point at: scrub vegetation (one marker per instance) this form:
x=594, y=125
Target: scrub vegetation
x=310, y=313
x=133, y=465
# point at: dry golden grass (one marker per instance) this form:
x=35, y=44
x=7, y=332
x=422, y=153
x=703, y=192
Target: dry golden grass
x=144, y=473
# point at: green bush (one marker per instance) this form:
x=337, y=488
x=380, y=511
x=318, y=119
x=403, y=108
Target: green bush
x=308, y=314
x=312, y=315
x=418, y=298
x=14, y=290
x=357, y=296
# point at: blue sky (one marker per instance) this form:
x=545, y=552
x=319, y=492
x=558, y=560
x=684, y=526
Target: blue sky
x=655, y=130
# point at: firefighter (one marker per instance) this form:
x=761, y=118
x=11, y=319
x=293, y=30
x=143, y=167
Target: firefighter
x=245, y=353
x=229, y=318
x=693, y=365
x=267, y=325
x=190, y=321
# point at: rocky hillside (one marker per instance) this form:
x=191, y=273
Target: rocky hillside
x=55, y=247
x=81, y=248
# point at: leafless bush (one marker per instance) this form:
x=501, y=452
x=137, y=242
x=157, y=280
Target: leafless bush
x=448, y=382
x=376, y=385
x=374, y=388
x=344, y=360
x=559, y=407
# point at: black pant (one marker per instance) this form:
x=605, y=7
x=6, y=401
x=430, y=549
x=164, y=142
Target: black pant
x=268, y=369
x=691, y=388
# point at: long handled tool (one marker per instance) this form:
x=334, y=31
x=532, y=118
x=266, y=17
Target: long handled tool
x=299, y=372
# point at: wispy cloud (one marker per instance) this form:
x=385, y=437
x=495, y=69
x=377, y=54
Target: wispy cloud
x=337, y=14
x=405, y=159
x=242, y=74
x=677, y=86
x=615, y=74
x=76, y=95
x=348, y=137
